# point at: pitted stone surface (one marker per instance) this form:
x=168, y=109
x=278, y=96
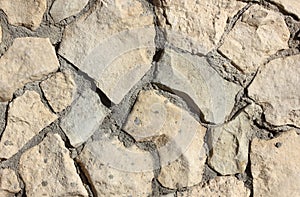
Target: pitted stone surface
x=28, y=59
x=27, y=116
x=9, y=185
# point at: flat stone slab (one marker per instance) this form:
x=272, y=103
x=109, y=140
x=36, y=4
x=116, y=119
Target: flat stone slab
x=291, y=6
x=9, y=184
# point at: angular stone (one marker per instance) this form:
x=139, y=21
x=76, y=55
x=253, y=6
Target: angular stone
x=275, y=165
x=220, y=186
x=292, y=6
x=114, y=45
x=28, y=13
x=27, y=116
x=28, y=59
x=115, y=170
x=259, y=34
x=62, y=9
x=197, y=26
x=276, y=88
x=47, y=169
x=59, y=90
x=193, y=79
x=9, y=185
x=84, y=118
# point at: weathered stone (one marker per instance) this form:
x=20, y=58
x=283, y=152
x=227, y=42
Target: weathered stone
x=84, y=118
x=292, y=6
x=197, y=26
x=193, y=79
x=59, y=90
x=115, y=170
x=276, y=88
x=9, y=185
x=62, y=9
x=114, y=45
x=0, y=33
x=47, y=169
x=276, y=170
x=220, y=186
x=229, y=146
x=28, y=13
x=259, y=34
x=27, y=116
x=28, y=59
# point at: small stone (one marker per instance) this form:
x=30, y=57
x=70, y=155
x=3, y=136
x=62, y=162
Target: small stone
x=276, y=171
x=28, y=59
x=58, y=176
x=27, y=116
x=220, y=186
x=59, y=90
x=292, y=6
x=259, y=34
x=276, y=88
x=62, y=9
x=28, y=13
x=9, y=185
x=84, y=118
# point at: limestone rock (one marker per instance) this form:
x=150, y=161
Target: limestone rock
x=28, y=59
x=47, y=169
x=193, y=79
x=292, y=6
x=28, y=13
x=115, y=170
x=275, y=165
x=27, y=116
x=62, y=9
x=114, y=45
x=259, y=34
x=0, y=34
x=59, y=90
x=9, y=185
x=86, y=114
x=220, y=186
x=276, y=88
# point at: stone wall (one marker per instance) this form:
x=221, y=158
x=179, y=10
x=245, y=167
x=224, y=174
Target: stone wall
x=163, y=98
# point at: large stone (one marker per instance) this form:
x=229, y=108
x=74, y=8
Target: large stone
x=197, y=26
x=62, y=9
x=229, y=146
x=28, y=13
x=9, y=184
x=115, y=170
x=86, y=114
x=193, y=79
x=259, y=34
x=28, y=59
x=59, y=90
x=292, y=6
x=220, y=186
x=276, y=88
x=275, y=165
x=114, y=45
x=48, y=170
x=27, y=116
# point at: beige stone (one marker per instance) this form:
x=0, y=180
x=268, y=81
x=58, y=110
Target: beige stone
x=28, y=13
x=48, y=170
x=27, y=116
x=259, y=34
x=28, y=59
x=9, y=185
x=62, y=9
x=292, y=6
x=220, y=186
x=59, y=90
x=276, y=88
x=0, y=34
x=275, y=165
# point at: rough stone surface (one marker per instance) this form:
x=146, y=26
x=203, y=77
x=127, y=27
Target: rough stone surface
x=192, y=78
x=276, y=88
x=59, y=90
x=220, y=186
x=47, y=169
x=62, y=9
x=249, y=45
x=28, y=13
x=27, y=116
x=276, y=170
x=0, y=34
x=9, y=185
x=28, y=59
x=292, y=6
